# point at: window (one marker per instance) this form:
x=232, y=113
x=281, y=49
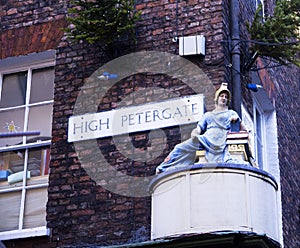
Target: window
x=26, y=101
x=259, y=130
x=265, y=133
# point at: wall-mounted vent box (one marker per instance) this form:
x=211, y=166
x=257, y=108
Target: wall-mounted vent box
x=192, y=45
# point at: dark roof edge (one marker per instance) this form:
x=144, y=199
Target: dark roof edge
x=216, y=240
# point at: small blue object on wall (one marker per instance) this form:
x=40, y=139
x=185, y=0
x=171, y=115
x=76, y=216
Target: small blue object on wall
x=4, y=175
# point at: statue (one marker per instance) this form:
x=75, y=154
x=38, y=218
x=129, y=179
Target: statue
x=209, y=135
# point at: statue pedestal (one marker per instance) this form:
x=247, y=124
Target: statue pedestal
x=212, y=198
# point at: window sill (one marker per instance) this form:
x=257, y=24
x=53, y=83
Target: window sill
x=25, y=233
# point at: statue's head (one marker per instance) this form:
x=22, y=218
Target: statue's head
x=223, y=89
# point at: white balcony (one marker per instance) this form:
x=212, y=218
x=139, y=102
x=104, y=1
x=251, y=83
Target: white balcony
x=213, y=198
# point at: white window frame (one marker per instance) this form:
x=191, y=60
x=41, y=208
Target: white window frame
x=259, y=137
x=263, y=105
x=14, y=65
x=249, y=125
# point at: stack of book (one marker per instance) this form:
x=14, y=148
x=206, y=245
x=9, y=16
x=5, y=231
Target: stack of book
x=238, y=146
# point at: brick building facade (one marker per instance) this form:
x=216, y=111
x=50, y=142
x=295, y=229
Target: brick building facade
x=81, y=212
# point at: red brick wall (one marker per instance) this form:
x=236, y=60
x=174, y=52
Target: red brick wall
x=282, y=87
x=36, y=38
x=79, y=210
x=30, y=26
x=287, y=107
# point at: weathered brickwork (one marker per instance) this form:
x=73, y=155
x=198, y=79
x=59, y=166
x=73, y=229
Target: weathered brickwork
x=30, y=26
x=80, y=211
x=164, y=21
x=16, y=14
x=282, y=87
x=288, y=116
x=75, y=201
x=36, y=38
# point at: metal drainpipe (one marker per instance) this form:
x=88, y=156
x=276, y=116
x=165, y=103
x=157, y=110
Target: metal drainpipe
x=235, y=56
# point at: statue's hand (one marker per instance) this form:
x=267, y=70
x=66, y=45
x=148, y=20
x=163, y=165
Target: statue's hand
x=233, y=118
x=194, y=133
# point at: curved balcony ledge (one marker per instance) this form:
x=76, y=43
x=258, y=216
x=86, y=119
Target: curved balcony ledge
x=209, y=198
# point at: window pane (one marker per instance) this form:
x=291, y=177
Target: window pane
x=35, y=208
x=42, y=85
x=259, y=144
x=13, y=163
x=13, y=90
x=40, y=119
x=38, y=161
x=11, y=121
x=258, y=124
x=259, y=154
x=9, y=210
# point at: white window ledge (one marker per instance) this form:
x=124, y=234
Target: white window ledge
x=25, y=233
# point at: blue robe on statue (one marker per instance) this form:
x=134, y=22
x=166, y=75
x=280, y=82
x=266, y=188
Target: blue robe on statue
x=214, y=128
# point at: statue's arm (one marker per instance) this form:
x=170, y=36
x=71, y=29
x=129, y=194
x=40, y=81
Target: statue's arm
x=195, y=132
x=200, y=129
x=234, y=118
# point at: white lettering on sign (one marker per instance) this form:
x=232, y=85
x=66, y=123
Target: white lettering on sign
x=143, y=117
